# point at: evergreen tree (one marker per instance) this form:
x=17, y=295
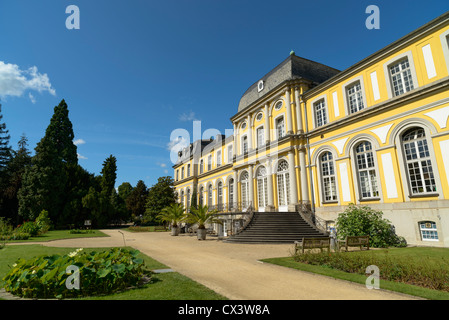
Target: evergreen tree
x=136, y=201
x=5, y=149
x=108, y=174
x=160, y=195
x=44, y=181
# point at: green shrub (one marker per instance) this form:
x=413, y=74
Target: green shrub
x=100, y=273
x=5, y=227
x=43, y=222
x=362, y=220
x=79, y=231
x=29, y=227
x=425, y=274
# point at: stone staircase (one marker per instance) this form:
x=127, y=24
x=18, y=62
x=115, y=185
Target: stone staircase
x=276, y=227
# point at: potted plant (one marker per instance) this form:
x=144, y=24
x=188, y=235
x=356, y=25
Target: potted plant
x=202, y=216
x=173, y=214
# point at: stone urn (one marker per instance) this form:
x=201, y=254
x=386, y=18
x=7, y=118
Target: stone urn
x=201, y=234
x=175, y=231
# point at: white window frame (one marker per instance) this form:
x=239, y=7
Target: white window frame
x=260, y=141
x=284, y=131
x=426, y=231
x=334, y=181
x=201, y=166
x=345, y=89
x=243, y=144
x=283, y=181
x=230, y=154
x=373, y=184
x=209, y=162
x=387, y=65
x=219, y=158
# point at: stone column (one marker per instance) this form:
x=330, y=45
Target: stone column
x=292, y=178
x=267, y=125
x=251, y=185
x=303, y=175
x=250, y=133
x=235, y=187
x=270, y=206
x=289, y=111
x=298, y=111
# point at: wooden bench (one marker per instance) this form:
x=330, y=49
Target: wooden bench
x=354, y=241
x=313, y=243
x=160, y=228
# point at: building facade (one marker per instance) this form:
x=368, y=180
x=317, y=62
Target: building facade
x=374, y=134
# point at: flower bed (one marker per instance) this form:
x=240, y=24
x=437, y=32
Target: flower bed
x=100, y=273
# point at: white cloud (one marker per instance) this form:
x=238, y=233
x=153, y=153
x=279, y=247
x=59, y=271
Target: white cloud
x=188, y=116
x=165, y=171
x=163, y=165
x=77, y=142
x=81, y=157
x=32, y=98
x=14, y=81
x=177, y=144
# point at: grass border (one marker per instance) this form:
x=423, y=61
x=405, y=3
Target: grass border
x=403, y=288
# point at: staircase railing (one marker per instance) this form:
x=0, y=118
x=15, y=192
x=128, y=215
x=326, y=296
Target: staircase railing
x=306, y=213
x=248, y=219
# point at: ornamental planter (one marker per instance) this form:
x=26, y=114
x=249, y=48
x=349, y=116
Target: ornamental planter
x=175, y=231
x=201, y=234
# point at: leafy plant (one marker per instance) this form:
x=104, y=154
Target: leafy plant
x=43, y=222
x=363, y=220
x=202, y=216
x=173, y=214
x=100, y=273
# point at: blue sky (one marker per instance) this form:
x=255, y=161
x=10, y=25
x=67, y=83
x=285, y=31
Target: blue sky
x=137, y=70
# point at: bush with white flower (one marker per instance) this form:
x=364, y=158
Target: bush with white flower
x=100, y=273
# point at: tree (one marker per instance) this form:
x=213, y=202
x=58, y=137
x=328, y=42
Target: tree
x=108, y=175
x=44, y=181
x=174, y=214
x=160, y=196
x=5, y=149
x=136, y=200
x=12, y=180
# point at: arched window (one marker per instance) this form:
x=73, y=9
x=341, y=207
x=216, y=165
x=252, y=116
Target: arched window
x=209, y=196
x=280, y=127
x=328, y=179
x=418, y=162
x=366, y=170
x=182, y=197
x=283, y=180
x=244, y=182
x=262, y=188
x=231, y=193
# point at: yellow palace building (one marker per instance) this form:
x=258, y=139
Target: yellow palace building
x=310, y=137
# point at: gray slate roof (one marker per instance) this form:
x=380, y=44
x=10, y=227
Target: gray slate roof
x=293, y=67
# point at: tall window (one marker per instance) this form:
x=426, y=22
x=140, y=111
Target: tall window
x=182, y=173
x=218, y=158
x=366, y=170
x=201, y=166
x=355, y=97
x=262, y=189
x=245, y=144
x=283, y=179
x=244, y=181
x=188, y=170
x=328, y=177
x=209, y=163
x=280, y=127
x=401, y=77
x=188, y=200
x=428, y=231
x=230, y=155
x=320, y=113
x=177, y=175
x=201, y=199
x=209, y=196
x=260, y=137
x=182, y=197
x=418, y=163
x=231, y=193
x=220, y=195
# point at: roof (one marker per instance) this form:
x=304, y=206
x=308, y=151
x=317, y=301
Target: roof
x=292, y=68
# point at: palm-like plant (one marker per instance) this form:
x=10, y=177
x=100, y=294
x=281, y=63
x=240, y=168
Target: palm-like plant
x=202, y=216
x=173, y=214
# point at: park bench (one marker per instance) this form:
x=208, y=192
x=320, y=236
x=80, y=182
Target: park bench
x=160, y=228
x=354, y=241
x=313, y=243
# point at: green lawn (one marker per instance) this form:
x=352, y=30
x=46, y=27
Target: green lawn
x=167, y=286
x=61, y=234
x=416, y=255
